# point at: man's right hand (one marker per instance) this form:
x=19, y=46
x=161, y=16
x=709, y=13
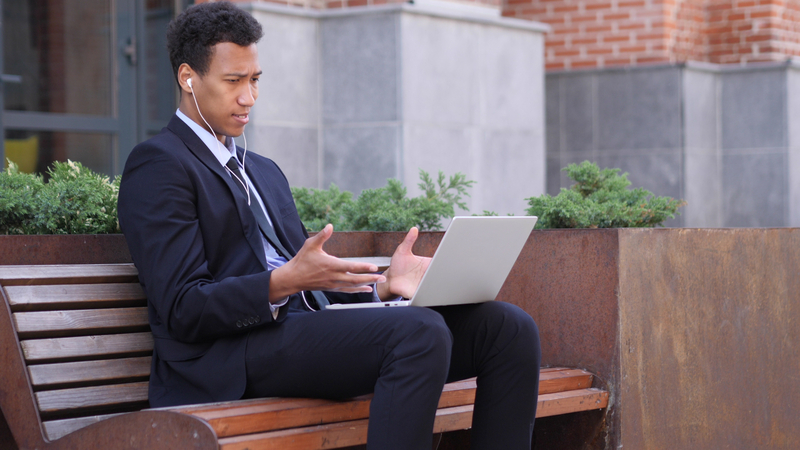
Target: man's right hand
x=314, y=270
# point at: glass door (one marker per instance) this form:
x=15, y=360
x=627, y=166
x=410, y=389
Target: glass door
x=74, y=78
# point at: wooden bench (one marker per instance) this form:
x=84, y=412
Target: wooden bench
x=76, y=349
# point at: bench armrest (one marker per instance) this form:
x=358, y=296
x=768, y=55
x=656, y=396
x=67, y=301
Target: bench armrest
x=154, y=430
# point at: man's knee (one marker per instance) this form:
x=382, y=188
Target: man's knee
x=513, y=327
x=423, y=324
x=424, y=335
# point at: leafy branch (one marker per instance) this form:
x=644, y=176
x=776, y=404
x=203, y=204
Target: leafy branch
x=601, y=199
x=384, y=209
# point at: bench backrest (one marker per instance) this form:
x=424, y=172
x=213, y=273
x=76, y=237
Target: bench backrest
x=84, y=338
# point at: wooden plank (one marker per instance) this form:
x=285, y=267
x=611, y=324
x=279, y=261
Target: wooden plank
x=551, y=369
x=85, y=398
x=74, y=296
x=564, y=380
x=290, y=423
x=451, y=419
x=458, y=393
x=275, y=414
x=351, y=433
x=55, y=429
x=303, y=412
x=89, y=372
x=67, y=274
x=73, y=322
x=571, y=401
x=269, y=414
x=336, y=435
x=328, y=436
x=103, y=346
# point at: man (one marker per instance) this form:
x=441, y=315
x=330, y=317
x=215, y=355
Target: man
x=229, y=271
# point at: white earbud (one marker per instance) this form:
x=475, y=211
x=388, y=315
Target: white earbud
x=189, y=82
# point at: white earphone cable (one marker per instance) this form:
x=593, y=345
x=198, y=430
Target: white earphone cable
x=244, y=155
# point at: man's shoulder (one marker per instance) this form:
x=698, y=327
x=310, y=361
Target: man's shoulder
x=166, y=145
x=269, y=167
x=255, y=158
x=165, y=140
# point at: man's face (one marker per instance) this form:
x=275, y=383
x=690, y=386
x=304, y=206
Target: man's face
x=228, y=90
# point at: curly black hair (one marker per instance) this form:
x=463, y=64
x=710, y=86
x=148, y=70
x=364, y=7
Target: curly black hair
x=191, y=35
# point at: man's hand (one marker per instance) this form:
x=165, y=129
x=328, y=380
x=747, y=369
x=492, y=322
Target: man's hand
x=405, y=271
x=313, y=269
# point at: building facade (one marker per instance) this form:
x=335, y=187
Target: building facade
x=693, y=99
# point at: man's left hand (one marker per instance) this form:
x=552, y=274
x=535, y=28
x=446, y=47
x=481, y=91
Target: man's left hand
x=405, y=271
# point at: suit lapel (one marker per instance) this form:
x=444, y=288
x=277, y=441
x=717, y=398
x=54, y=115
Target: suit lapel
x=201, y=152
x=264, y=189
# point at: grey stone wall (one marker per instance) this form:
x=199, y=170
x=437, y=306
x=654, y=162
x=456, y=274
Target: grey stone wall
x=357, y=96
x=723, y=138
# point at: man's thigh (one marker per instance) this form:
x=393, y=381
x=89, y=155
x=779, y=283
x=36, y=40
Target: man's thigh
x=331, y=354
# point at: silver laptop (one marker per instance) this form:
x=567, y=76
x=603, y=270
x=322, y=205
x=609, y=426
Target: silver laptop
x=471, y=264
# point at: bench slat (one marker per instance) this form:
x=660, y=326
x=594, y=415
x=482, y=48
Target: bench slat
x=55, y=349
x=571, y=401
x=564, y=380
x=54, y=323
x=345, y=434
x=349, y=433
x=458, y=393
x=73, y=296
x=303, y=413
x=68, y=274
x=337, y=435
x=55, y=429
x=270, y=414
x=275, y=414
x=87, y=398
x=84, y=372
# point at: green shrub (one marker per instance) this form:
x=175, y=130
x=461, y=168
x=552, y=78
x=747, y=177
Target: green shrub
x=319, y=207
x=384, y=209
x=601, y=199
x=75, y=200
x=20, y=194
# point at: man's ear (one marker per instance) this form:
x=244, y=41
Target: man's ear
x=185, y=73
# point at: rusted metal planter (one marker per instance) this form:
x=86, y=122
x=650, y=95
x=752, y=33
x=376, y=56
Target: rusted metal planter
x=64, y=249
x=694, y=332
x=112, y=248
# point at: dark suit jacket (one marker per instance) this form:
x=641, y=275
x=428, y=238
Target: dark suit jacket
x=200, y=258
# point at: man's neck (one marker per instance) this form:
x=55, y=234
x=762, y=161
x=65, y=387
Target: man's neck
x=191, y=112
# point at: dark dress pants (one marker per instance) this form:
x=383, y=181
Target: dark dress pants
x=404, y=356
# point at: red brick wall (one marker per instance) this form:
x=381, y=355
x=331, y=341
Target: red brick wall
x=753, y=30
x=686, y=23
x=351, y=3
x=323, y=4
x=601, y=33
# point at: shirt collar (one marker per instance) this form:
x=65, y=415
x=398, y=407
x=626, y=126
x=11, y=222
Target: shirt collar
x=222, y=153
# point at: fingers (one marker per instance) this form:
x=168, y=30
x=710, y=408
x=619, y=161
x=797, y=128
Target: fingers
x=350, y=280
x=409, y=240
x=340, y=265
x=352, y=283
x=320, y=238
